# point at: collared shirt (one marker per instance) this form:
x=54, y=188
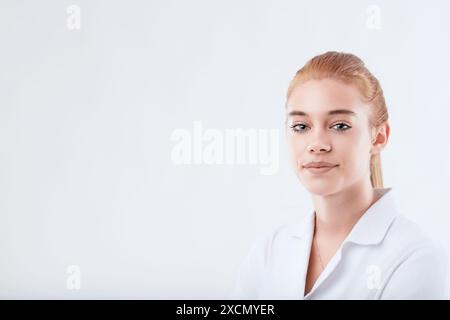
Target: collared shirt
x=385, y=256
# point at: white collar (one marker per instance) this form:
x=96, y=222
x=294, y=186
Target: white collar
x=370, y=228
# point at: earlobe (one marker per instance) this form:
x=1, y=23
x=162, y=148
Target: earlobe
x=376, y=146
x=380, y=139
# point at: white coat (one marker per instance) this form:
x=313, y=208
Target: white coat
x=385, y=256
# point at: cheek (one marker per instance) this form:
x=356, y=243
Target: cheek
x=353, y=152
x=296, y=146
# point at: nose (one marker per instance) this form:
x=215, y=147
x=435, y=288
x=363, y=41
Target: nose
x=319, y=148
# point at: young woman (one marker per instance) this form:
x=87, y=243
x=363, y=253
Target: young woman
x=355, y=244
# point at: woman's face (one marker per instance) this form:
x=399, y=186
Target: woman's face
x=327, y=121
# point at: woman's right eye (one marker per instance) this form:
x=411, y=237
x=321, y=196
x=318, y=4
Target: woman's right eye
x=299, y=127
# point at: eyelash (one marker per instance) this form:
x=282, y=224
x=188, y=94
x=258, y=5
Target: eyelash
x=301, y=124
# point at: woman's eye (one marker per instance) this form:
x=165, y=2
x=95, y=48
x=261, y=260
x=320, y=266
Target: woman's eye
x=299, y=127
x=341, y=128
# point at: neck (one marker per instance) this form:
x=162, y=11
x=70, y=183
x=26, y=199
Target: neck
x=337, y=213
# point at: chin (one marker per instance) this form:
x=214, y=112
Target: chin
x=320, y=187
x=320, y=191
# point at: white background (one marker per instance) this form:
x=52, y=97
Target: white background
x=86, y=117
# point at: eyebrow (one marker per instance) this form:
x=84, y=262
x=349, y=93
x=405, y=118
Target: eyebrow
x=332, y=112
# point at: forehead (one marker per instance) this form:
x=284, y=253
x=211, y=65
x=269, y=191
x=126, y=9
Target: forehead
x=322, y=97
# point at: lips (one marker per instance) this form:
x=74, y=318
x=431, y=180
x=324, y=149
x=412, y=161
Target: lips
x=320, y=170
x=319, y=164
x=319, y=167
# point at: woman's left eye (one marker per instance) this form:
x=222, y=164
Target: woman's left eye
x=342, y=124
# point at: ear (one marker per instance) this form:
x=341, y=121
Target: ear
x=380, y=136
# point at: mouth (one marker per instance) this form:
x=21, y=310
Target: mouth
x=320, y=170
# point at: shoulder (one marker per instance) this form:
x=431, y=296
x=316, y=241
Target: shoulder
x=273, y=236
x=418, y=263
x=282, y=242
x=407, y=236
x=273, y=241
x=253, y=267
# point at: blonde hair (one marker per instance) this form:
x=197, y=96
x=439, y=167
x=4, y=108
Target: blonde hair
x=350, y=69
